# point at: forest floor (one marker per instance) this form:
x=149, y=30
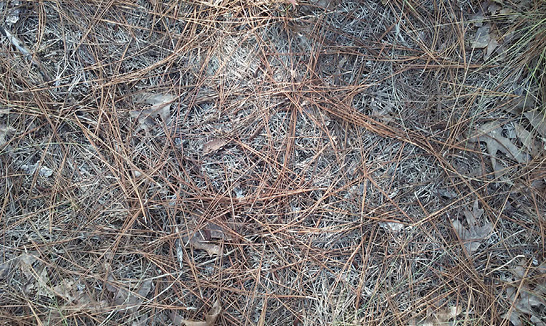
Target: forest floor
x=235, y=162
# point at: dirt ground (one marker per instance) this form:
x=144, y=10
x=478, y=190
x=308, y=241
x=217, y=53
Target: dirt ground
x=234, y=162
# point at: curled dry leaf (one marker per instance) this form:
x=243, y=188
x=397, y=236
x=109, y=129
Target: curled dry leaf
x=474, y=234
x=199, y=243
x=128, y=298
x=160, y=106
x=210, y=318
x=392, y=226
x=214, y=145
x=31, y=169
x=527, y=301
x=440, y=317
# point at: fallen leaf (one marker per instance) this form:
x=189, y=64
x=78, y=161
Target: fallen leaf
x=522, y=305
x=526, y=302
x=293, y=2
x=4, y=131
x=160, y=106
x=6, y=267
x=491, y=46
x=491, y=134
x=485, y=39
x=474, y=234
x=438, y=318
x=43, y=284
x=392, y=226
x=43, y=172
x=214, y=145
x=537, y=119
x=481, y=39
x=198, y=242
x=65, y=289
x=124, y=297
x=210, y=318
x=25, y=263
x=527, y=140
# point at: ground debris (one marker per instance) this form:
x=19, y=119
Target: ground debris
x=439, y=318
x=210, y=317
x=472, y=235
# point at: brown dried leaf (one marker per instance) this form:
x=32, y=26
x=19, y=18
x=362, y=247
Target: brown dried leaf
x=210, y=318
x=65, y=289
x=214, y=145
x=474, y=234
x=160, y=106
x=527, y=300
x=523, y=304
x=25, y=263
x=211, y=249
x=491, y=134
x=128, y=298
x=438, y=318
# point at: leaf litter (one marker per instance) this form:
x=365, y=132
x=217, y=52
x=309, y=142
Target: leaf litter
x=491, y=134
x=526, y=298
x=439, y=318
x=160, y=107
x=124, y=297
x=210, y=317
x=474, y=234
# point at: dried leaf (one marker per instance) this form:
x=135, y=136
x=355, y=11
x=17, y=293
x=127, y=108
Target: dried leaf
x=474, y=234
x=529, y=300
x=25, y=263
x=213, y=145
x=210, y=318
x=217, y=232
x=65, y=290
x=439, y=318
x=522, y=305
x=392, y=226
x=481, y=39
x=491, y=46
x=31, y=169
x=448, y=313
x=128, y=298
x=198, y=243
x=4, y=131
x=43, y=284
x=6, y=267
x=293, y=2
x=160, y=106
x=491, y=134
x=145, y=288
x=527, y=140
x=538, y=120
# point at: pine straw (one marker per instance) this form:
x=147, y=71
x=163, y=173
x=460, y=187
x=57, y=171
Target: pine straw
x=340, y=124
